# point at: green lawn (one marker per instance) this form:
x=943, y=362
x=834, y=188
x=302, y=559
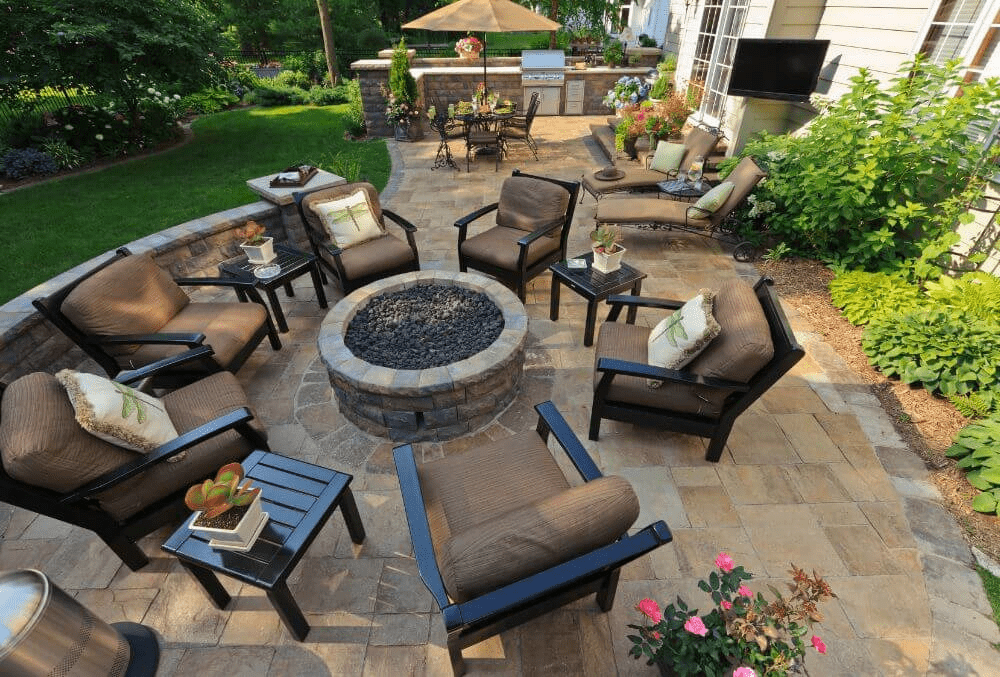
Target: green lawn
x=53, y=226
x=992, y=585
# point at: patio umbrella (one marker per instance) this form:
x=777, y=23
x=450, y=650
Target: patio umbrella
x=496, y=16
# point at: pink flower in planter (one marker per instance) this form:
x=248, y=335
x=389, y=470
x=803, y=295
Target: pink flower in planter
x=744, y=591
x=696, y=626
x=724, y=562
x=726, y=605
x=818, y=644
x=744, y=672
x=650, y=609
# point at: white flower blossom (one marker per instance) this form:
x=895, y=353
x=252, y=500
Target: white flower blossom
x=107, y=126
x=68, y=128
x=99, y=137
x=150, y=90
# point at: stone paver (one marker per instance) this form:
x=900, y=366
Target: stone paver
x=814, y=474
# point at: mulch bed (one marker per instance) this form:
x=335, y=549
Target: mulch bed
x=925, y=422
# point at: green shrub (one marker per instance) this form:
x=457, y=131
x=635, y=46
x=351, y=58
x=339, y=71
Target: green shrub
x=945, y=350
x=646, y=41
x=22, y=163
x=873, y=180
x=65, y=156
x=974, y=293
x=209, y=100
x=401, y=82
x=976, y=449
x=310, y=64
x=290, y=78
x=328, y=96
x=277, y=95
x=663, y=86
x=864, y=296
x=977, y=404
x=356, y=113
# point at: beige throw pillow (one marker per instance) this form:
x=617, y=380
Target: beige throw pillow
x=679, y=338
x=349, y=221
x=667, y=157
x=116, y=413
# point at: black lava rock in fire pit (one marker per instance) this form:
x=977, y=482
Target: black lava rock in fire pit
x=423, y=327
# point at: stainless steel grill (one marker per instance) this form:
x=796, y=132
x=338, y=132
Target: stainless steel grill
x=543, y=71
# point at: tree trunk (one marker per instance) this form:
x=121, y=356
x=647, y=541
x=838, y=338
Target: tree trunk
x=553, y=13
x=328, y=46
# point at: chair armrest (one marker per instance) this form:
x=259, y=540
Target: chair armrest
x=610, y=367
x=469, y=218
x=234, y=282
x=416, y=519
x=403, y=223
x=233, y=420
x=191, y=340
x=617, y=302
x=540, y=232
x=550, y=420
x=166, y=364
x=565, y=576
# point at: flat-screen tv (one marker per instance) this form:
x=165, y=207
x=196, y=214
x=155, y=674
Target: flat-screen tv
x=786, y=70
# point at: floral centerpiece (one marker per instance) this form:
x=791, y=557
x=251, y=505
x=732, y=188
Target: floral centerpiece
x=628, y=90
x=743, y=635
x=468, y=47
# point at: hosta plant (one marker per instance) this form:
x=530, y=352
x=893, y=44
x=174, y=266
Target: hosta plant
x=977, y=450
x=974, y=293
x=863, y=296
x=946, y=351
x=214, y=497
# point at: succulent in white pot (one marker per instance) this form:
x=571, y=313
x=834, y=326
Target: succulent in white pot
x=258, y=246
x=226, y=511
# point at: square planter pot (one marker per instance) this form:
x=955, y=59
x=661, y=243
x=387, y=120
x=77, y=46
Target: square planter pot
x=262, y=253
x=608, y=263
x=242, y=537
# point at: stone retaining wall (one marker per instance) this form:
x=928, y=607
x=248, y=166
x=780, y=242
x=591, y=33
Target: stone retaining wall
x=30, y=343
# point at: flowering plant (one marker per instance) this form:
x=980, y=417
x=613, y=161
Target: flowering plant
x=468, y=45
x=397, y=110
x=666, y=118
x=742, y=636
x=253, y=233
x=628, y=90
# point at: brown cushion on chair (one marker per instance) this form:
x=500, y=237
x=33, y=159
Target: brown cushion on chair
x=697, y=142
x=130, y=296
x=744, y=177
x=744, y=346
x=528, y=204
x=374, y=256
x=498, y=246
x=635, y=177
x=480, y=484
x=42, y=444
x=531, y=538
x=189, y=407
x=629, y=342
x=646, y=210
x=227, y=328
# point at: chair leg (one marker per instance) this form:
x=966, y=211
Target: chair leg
x=457, y=662
x=718, y=443
x=606, y=594
x=130, y=553
x=595, y=423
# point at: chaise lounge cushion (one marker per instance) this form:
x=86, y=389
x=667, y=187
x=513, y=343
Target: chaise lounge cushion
x=131, y=296
x=42, y=445
x=647, y=210
x=531, y=538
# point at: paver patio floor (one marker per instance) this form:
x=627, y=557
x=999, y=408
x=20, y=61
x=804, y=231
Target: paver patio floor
x=813, y=474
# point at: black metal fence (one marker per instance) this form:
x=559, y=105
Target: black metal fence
x=46, y=102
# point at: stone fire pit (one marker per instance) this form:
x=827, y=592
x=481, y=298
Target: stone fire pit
x=438, y=403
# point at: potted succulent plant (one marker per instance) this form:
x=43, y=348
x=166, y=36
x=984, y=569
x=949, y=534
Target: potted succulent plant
x=227, y=511
x=258, y=247
x=607, y=250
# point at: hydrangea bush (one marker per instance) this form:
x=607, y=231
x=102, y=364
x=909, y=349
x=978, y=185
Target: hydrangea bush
x=628, y=90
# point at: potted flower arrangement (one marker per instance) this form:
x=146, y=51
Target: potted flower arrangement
x=632, y=125
x=226, y=510
x=628, y=90
x=607, y=250
x=258, y=247
x=666, y=118
x=742, y=636
x=469, y=47
x=614, y=53
x=401, y=99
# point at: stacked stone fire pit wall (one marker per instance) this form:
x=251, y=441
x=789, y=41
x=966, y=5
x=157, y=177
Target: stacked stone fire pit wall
x=426, y=404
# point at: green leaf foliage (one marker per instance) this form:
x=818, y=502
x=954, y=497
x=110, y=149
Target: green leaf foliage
x=977, y=450
x=945, y=350
x=864, y=296
x=974, y=293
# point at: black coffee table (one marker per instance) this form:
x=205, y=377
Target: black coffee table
x=299, y=497
x=594, y=286
x=293, y=264
x=682, y=189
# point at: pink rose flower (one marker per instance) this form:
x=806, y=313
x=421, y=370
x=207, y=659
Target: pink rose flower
x=726, y=605
x=724, y=562
x=744, y=591
x=818, y=644
x=696, y=626
x=655, y=634
x=744, y=672
x=650, y=609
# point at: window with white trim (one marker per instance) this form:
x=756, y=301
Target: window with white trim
x=720, y=27
x=967, y=30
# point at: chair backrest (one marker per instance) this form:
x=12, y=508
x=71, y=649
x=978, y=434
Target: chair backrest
x=698, y=142
x=744, y=178
x=573, y=188
x=52, y=308
x=529, y=114
x=305, y=199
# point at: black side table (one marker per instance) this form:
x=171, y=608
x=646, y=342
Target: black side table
x=299, y=497
x=594, y=286
x=682, y=189
x=293, y=264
